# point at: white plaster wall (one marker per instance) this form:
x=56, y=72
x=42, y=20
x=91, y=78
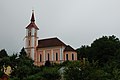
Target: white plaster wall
x=32, y=53
x=52, y=54
x=32, y=42
x=44, y=55
x=61, y=53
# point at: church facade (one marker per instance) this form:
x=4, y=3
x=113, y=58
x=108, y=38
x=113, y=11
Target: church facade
x=50, y=49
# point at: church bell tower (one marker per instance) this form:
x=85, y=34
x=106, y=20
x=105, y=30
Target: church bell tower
x=31, y=38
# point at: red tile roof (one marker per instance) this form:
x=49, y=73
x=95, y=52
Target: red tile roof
x=69, y=48
x=50, y=42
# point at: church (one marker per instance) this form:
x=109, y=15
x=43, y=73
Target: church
x=50, y=49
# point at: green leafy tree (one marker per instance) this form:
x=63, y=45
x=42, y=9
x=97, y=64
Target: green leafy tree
x=4, y=62
x=23, y=53
x=82, y=52
x=90, y=71
x=3, y=53
x=104, y=49
x=112, y=67
x=50, y=74
x=1, y=73
x=47, y=63
x=13, y=60
x=73, y=71
x=23, y=66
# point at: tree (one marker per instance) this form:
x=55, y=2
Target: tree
x=1, y=73
x=13, y=60
x=47, y=63
x=47, y=73
x=24, y=65
x=4, y=62
x=23, y=53
x=73, y=71
x=3, y=53
x=104, y=49
x=82, y=52
x=89, y=71
x=50, y=73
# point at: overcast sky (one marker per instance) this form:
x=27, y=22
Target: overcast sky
x=75, y=22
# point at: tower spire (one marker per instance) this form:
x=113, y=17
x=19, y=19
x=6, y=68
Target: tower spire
x=32, y=24
x=31, y=38
x=32, y=17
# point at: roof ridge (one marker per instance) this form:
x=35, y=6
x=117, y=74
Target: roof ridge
x=48, y=38
x=49, y=42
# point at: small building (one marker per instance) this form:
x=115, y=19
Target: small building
x=50, y=49
x=7, y=70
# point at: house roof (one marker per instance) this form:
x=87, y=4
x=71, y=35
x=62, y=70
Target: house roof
x=68, y=48
x=50, y=42
x=32, y=24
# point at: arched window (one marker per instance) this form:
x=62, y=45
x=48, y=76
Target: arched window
x=48, y=57
x=72, y=56
x=29, y=32
x=66, y=56
x=56, y=56
x=40, y=58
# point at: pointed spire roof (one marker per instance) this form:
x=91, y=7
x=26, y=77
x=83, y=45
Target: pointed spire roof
x=32, y=18
x=32, y=24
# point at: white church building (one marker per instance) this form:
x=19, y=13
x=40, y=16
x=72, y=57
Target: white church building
x=50, y=49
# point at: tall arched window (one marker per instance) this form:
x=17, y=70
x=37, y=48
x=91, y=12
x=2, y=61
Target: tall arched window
x=56, y=56
x=40, y=57
x=72, y=56
x=48, y=57
x=66, y=56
